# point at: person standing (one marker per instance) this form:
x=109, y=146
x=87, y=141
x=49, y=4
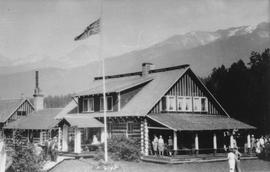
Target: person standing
x=170, y=145
x=155, y=144
x=237, y=160
x=231, y=160
x=54, y=149
x=161, y=145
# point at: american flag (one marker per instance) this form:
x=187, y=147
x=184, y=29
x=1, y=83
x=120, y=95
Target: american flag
x=93, y=28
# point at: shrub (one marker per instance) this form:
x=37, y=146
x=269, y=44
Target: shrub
x=122, y=148
x=25, y=159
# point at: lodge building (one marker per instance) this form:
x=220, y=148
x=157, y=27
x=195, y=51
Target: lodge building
x=168, y=101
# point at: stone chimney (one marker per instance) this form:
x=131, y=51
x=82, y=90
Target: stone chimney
x=38, y=97
x=146, y=67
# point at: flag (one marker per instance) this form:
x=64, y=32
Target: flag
x=93, y=28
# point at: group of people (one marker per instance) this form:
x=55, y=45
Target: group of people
x=159, y=146
x=259, y=144
x=51, y=149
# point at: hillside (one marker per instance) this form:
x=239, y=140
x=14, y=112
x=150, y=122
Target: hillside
x=203, y=50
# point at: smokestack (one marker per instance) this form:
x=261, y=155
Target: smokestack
x=38, y=97
x=146, y=67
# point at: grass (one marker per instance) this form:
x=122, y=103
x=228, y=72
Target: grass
x=87, y=165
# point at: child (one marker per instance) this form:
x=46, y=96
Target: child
x=231, y=160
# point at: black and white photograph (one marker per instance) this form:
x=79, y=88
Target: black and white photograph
x=134, y=85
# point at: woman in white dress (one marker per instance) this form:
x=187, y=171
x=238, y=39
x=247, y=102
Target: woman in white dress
x=231, y=160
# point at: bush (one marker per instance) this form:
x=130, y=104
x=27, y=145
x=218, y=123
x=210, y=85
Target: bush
x=122, y=148
x=25, y=159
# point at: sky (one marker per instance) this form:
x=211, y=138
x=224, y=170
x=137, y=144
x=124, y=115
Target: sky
x=34, y=29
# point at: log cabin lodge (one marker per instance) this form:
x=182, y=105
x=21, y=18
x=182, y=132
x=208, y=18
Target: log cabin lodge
x=168, y=101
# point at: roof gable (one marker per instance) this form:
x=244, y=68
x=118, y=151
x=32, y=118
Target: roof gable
x=9, y=106
x=42, y=119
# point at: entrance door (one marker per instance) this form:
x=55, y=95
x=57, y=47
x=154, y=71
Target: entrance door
x=71, y=139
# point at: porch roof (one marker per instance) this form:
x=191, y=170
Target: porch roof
x=39, y=120
x=83, y=122
x=198, y=122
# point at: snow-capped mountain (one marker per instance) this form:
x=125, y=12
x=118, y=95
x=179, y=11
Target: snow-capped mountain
x=202, y=50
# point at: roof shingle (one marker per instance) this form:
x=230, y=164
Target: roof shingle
x=42, y=119
x=198, y=122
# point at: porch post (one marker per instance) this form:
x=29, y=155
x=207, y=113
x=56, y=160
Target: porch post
x=65, y=138
x=196, y=144
x=142, y=140
x=59, y=138
x=77, y=148
x=215, y=143
x=231, y=141
x=119, y=102
x=175, y=142
x=146, y=138
x=248, y=143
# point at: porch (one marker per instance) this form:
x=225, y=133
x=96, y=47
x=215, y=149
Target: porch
x=200, y=158
x=195, y=133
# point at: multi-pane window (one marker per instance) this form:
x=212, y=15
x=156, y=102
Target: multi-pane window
x=21, y=113
x=181, y=103
x=196, y=104
x=109, y=100
x=188, y=104
x=204, y=104
x=88, y=105
x=169, y=103
x=185, y=104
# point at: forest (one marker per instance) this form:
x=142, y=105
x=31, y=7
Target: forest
x=243, y=90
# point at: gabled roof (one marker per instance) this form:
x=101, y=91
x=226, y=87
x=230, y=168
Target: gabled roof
x=157, y=85
x=9, y=106
x=199, y=122
x=42, y=119
x=115, y=85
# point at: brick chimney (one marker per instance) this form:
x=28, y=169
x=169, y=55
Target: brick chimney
x=38, y=97
x=146, y=67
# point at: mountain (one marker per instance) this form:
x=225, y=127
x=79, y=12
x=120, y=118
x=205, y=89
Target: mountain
x=203, y=50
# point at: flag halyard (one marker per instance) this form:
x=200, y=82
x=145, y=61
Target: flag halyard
x=92, y=29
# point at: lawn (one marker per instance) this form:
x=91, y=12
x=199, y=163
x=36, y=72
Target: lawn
x=87, y=165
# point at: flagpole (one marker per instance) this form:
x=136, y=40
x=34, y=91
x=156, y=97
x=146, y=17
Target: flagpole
x=103, y=83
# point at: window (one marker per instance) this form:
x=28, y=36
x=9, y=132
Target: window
x=204, y=104
x=181, y=103
x=196, y=104
x=21, y=113
x=109, y=103
x=200, y=104
x=88, y=105
x=188, y=104
x=170, y=103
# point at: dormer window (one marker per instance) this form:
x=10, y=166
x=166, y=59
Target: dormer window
x=88, y=105
x=109, y=103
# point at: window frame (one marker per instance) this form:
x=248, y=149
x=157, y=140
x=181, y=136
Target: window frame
x=88, y=104
x=102, y=103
